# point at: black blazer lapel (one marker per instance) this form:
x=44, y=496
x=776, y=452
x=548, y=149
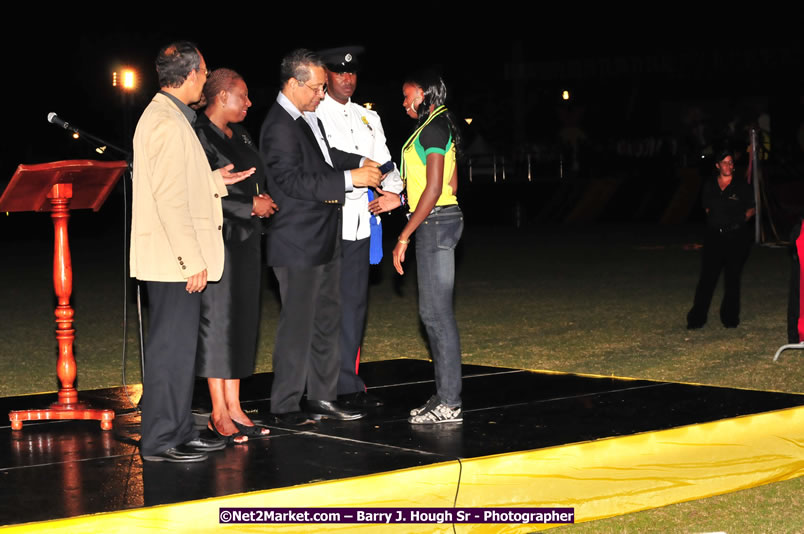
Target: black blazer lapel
x=302, y=123
x=323, y=132
x=221, y=146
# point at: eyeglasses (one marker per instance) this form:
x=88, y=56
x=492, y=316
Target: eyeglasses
x=204, y=71
x=322, y=89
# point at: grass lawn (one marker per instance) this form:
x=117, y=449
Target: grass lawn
x=599, y=299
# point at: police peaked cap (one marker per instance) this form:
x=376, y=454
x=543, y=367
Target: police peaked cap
x=342, y=59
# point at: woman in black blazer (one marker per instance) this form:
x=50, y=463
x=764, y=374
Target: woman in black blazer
x=230, y=309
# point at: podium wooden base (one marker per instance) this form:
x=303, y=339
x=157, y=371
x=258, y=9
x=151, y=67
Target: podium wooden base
x=62, y=411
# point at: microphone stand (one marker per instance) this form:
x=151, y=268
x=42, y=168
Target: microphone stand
x=99, y=144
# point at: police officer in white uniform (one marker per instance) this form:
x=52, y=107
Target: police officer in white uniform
x=352, y=128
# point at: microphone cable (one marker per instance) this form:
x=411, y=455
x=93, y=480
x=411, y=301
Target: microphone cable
x=134, y=407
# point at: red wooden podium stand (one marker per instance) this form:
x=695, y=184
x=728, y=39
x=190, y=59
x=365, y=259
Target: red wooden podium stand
x=59, y=187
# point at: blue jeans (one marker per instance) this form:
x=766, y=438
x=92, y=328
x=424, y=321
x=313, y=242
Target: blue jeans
x=436, y=239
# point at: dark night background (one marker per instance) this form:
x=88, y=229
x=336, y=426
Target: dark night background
x=674, y=84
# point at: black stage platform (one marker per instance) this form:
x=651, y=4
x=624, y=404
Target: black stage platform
x=61, y=469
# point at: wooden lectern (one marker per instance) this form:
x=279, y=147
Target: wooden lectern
x=58, y=187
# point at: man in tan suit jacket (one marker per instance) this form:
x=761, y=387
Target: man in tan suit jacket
x=176, y=247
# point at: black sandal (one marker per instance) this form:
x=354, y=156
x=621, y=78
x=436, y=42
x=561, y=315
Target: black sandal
x=255, y=431
x=231, y=439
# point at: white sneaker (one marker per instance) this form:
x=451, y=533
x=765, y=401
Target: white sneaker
x=431, y=403
x=441, y=413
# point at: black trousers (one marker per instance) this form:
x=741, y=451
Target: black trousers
x=354, y=305
x=306, y=349
x=723, y=252
x=173, y=319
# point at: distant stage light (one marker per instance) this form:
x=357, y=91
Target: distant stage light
x=125, y=79
x=565, y=95
x=129, y=79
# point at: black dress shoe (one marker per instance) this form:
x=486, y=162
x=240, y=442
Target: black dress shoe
x=293, y=419
x=178, y=454
x=321, y=409
x=730, y=320
x=360, y=400
x=695, y=321
x=204, y=444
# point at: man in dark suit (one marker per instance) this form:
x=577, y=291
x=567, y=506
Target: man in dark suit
x=309, y=180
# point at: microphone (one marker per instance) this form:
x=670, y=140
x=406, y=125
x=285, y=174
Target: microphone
x=55, y=119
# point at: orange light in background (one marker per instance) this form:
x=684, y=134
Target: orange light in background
x=565, y=95
x=129, y=79
x=126, y=79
